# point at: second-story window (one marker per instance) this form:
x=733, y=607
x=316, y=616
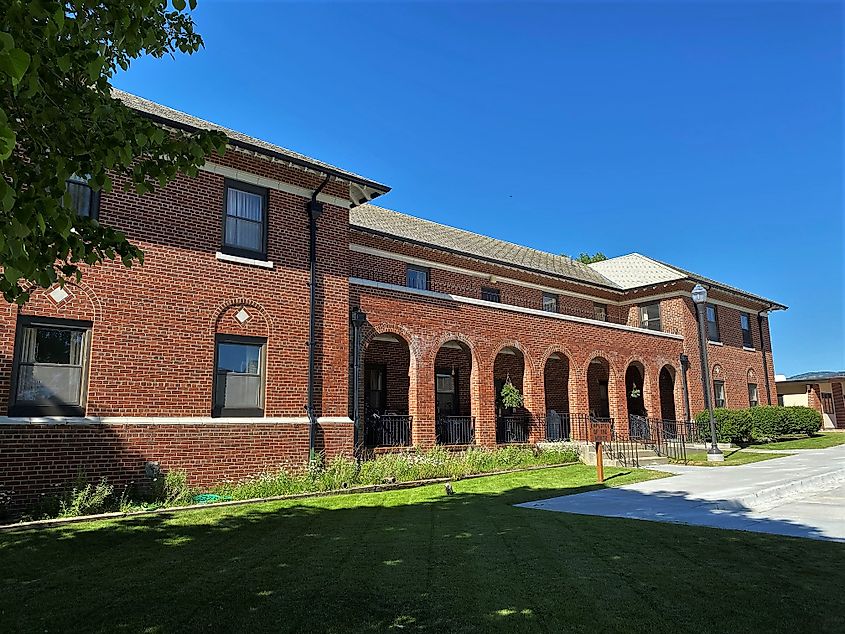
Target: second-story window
x=83, y=200
x=491, y=294
x=650, y=316
x=245, y=220
x=416, y=277
x=550, y=302
x=745, y=324
x=600, y=311
x=712, y=323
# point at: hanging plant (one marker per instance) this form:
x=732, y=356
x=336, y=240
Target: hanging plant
x=635, y=391
x=511, y=396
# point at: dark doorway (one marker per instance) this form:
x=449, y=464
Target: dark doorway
x=634, y=390
x=667, y=393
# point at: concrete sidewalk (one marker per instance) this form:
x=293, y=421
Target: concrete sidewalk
x=801, y=495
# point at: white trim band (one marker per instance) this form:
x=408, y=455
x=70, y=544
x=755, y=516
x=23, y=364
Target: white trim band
x=516, y=309
x=169, y=420
x=236, y=259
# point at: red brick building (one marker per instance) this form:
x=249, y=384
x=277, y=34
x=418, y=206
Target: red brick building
x=213, y=359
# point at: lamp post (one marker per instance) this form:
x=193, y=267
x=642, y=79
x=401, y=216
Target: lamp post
x=358, y=318
x=699, y=297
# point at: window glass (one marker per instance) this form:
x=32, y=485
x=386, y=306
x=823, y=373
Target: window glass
x=600, y=311
x=239, y=378
x=719, y=394
x=753, y=399
x=82, y=197
x=712, y=323
x=50, y=370
x=491, y=294
x=650, y=316
x=245, y=219
x=745, y=324
x=550, y=302
x=417, y=277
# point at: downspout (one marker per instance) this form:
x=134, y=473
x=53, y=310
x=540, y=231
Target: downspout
x=684, y=359
x=765, y=361
x=314, y=210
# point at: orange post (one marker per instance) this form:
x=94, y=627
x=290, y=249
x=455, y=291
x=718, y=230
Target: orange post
x=599, y=463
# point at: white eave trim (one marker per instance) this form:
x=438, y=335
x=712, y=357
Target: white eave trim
x=271, y=183
x=515, y=309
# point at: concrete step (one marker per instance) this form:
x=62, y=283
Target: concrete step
x=651, y=461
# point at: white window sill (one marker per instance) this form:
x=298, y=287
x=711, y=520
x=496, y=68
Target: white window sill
x=236, y=259
x=747, y=349
x=715, y=343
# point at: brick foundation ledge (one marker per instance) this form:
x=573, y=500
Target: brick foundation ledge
x=41, y=456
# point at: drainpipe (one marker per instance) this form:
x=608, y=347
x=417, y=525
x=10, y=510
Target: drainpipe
x=765, y=361
x=314, y=210
x=358, y=319
x=684, y=367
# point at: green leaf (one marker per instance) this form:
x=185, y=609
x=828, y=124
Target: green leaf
x=179, y=5
x=14, y=63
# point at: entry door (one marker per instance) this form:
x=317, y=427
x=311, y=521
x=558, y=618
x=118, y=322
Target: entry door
x=375, y=388
x=828, y=411
x=446, y=397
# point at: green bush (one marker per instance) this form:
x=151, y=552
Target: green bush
x=171, y=488
x=87, y=499
x=732, y=425
x=761, y=423
x=803, y=420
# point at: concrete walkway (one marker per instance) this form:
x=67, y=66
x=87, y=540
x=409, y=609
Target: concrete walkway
x=801, y=495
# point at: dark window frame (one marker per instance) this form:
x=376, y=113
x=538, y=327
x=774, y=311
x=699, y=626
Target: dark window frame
x=755, y=402
x=456, y=392
x=716, y=392
x=645, y=321
x=747, y=341
x=32, y=408
x=218, y=410
x=554, y=297
x=382, y=369
x=715, y=323
x=596, y=307
x=418, y=269
x=488, y=291
x=235, y=250
x=94, y=199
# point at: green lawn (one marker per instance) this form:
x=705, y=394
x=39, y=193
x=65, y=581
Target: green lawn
x=418, y=560
x=816, y=441
x=733, y=457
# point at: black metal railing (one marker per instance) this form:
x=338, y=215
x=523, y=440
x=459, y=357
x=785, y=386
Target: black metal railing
x=455, y=430
x=665, y=437
x=558, y=426
x=504, y=297
x=513, y=428
x=620, y=448
x=388, y=430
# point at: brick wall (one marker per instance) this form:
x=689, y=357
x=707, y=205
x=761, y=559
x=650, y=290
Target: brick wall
x=38, y=458
x=838, y=404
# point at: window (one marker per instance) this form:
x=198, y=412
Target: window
x=491, y=294
x=417, y=277
x=712, y=323
x=780, y=400
x=446, y=398
x=753, y=399
x=239, y=376
x=50, y=368
x=600, y=311
x=827, y=403
x=719, y=394
x=650, y=316
x=375, y=388
x=745, y=324
x=83, y=200
x=550, y=302
x=245, y=220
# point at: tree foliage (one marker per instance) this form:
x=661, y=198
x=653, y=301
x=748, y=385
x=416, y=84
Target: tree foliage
x=58, y=118
x=586, y=258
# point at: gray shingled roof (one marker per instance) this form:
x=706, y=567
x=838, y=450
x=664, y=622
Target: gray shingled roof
x=392, y=223
x=815, y=376
x=163, y=113
x=635, y=270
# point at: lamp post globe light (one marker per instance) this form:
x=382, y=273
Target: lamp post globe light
x=699, y=297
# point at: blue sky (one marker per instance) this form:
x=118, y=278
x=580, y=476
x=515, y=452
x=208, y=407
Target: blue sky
x=709, y=135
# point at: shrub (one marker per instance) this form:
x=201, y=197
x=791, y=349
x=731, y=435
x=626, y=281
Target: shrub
x=803, y=420
x=760, y=423
x=732, y=425
x=86, y=499
x=171, y=488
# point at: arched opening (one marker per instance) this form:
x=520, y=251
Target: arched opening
x=635, y=389
x=556, y=383
x=511, y=416
x=452, y=396
x=667, y=392
x=387, y=361
x=598, y=380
